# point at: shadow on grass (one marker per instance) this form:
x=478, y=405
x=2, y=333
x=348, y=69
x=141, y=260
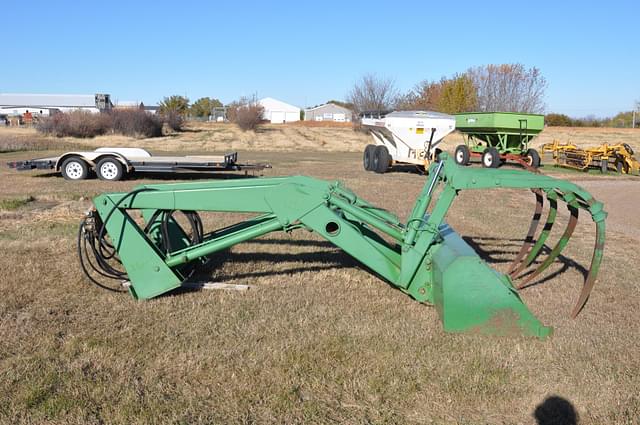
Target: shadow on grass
x=263, y=130
x=313, y=262
x=491, y=249
x=555, y=410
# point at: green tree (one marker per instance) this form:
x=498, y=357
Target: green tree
x=203, y=106
x=449, y=95
x=174, y=104
x=457, y=94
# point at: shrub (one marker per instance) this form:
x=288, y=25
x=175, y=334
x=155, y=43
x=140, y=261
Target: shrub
x=129, y=122
x=136, y=123
x=246, y=114
x=75, y=124
x=558, y=120
x=174, y=120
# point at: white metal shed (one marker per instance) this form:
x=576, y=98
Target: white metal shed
x=278, y=112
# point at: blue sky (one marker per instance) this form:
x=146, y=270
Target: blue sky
x=308, y=52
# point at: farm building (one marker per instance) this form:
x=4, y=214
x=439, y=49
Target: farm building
x=278, y=112
x=45, y=104
x=328, y=112
x=128, y=104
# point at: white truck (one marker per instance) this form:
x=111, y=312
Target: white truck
x=116, y=163
x=404, y=137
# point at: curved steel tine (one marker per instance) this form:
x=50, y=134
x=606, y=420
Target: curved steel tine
x=530, y=234
x=546, y=230
x=556, y=249
x=590, y=281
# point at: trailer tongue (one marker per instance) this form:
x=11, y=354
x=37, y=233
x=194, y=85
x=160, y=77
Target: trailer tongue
x=116, y=163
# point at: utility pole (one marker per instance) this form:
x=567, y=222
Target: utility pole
x=633, y=121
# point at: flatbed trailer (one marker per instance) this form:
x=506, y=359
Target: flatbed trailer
x=116, y=163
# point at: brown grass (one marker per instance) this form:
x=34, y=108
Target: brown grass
x=317, y=339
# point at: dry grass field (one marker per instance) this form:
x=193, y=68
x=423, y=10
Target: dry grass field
x=317, y=339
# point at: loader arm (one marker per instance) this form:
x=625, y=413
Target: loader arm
x=423, y=257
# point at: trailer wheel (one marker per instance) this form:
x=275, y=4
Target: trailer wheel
x=74, y=168
x=463, y=155
x=367, y=159
x=491, y=158
x=533, y=158
x=110, y=169
x=380, y=159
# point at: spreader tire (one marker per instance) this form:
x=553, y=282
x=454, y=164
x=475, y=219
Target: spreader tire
x=381, y=159
x=491, y=158
x=462, y=155
x=74, y=168
x=533, y=158
x=367, y=158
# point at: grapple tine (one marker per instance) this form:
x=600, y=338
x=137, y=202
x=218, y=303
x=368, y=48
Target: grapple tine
x=596, y=259
x=542, y=238
x=528, y=241
x=556, y=249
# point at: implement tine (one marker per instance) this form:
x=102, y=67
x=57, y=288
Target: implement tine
x=593, y=270
x=556, y=249
x=530, y=234
x=546, y=230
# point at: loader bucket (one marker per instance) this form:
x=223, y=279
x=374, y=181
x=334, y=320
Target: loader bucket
x=472, y=297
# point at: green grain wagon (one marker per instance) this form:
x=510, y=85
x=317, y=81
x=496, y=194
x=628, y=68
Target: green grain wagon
x=498, y=136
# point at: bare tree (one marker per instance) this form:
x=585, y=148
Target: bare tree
x=246, y=113
x=373, y=93
x=509, y=88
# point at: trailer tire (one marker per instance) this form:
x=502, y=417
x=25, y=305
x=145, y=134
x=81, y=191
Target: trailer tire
x=110, y=169
x=533, y=158
x=74, y=168
x=381, y=159
x=367, y=159
x=462, y=155
x=491, y=158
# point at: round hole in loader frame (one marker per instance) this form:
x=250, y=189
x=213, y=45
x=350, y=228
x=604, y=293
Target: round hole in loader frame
x=332, y=228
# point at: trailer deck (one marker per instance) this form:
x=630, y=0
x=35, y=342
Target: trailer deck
x=116, y=163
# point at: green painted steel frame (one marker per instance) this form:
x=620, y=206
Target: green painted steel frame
x=424, y=258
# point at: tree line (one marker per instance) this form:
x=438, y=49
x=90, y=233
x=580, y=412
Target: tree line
x=506, y=88
x=181, y=105
x=621, y=119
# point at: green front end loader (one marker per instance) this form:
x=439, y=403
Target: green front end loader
x=422, y=257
